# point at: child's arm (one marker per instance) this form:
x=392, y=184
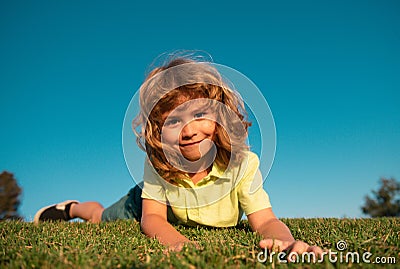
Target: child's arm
x=277, y=234
x=154, y=224
x=267, y=224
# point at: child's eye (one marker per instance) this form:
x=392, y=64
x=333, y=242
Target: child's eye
x=200, y=115
x=171, y=122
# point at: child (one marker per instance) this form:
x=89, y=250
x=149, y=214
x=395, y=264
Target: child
x=198, y=169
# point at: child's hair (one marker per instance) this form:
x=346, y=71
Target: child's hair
x=179, y=80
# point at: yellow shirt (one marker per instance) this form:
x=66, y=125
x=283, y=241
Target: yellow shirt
x=217, y=200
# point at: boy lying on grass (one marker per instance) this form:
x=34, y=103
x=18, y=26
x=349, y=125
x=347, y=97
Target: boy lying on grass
x=198, y=170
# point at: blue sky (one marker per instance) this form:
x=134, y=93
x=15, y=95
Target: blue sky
x=328, y=69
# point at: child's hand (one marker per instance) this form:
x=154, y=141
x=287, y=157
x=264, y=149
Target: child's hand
x=290, y=247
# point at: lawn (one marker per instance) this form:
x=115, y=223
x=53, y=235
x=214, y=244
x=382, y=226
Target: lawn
x=121, y=244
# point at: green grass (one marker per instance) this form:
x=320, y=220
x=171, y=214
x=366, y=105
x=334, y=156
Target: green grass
x=121, y=244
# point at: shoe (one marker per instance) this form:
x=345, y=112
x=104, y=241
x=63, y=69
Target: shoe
x=55, y=212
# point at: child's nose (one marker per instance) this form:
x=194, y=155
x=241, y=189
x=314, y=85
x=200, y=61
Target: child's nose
x=189, y=130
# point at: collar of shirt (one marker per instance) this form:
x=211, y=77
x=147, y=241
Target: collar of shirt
x=215, y=174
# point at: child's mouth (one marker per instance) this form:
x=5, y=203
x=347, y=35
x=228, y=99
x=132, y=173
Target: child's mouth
x=190, y=144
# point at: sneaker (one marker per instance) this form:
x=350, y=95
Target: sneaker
x=55, y=212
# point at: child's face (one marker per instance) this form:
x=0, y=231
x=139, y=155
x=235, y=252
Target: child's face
x=190, y=128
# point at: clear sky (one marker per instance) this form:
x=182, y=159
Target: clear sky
x=330, y=71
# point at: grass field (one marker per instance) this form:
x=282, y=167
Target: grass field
x=122, y=245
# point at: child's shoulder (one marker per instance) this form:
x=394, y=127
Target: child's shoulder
x=250, y=156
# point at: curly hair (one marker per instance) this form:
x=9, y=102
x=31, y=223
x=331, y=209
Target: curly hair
x=172, y=84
